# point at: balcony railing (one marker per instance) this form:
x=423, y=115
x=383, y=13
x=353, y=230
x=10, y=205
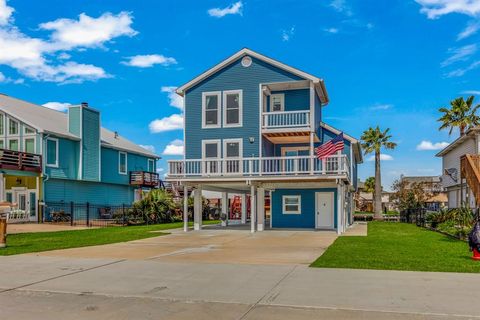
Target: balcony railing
x=144, y=179
x=270, y=166
x=286, y=119
x=23, y=161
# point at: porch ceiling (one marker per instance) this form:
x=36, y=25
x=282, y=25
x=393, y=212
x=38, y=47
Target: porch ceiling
x=290, y=85
x=290, y=137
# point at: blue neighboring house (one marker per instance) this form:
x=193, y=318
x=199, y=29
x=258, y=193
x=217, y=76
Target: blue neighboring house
x=51, y=156
x=251, y=126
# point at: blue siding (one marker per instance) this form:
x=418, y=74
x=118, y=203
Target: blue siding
x=57, y=190
x=307, y=217
x=90, y=144
x=294, y=99
x=110, y=173
x=232, y=77
x=68, y=155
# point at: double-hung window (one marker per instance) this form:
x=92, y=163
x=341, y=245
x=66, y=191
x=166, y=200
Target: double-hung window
x=52, y=152
x=29, y=144
x=122, y=162
x=12, y=127
x=292, y=204
x=232, y=108
x=211, y=109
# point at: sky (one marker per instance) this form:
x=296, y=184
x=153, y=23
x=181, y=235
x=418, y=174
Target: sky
x=387, y=63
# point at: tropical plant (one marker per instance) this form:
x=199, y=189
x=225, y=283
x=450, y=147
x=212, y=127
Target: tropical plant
x=156, y=206
x=373, y=140
x=461, y=115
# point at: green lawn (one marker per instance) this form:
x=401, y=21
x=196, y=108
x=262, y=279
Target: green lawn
x=399, y=246
x=45, y=241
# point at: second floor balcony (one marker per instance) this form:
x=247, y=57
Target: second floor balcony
x=22, y=161
x=274, y=167
x=286, y=119
x=144, y=179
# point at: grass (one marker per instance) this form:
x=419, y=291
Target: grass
x=45, y=241
x=399, y=246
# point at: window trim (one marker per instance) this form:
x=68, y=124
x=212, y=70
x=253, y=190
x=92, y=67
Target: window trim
x=25, y=127
x=219, y=109
x=34, y=143
x=153, y=165
x=240, y=147
x=211, y=141
x=282, y=96
x=3, y=132
x=18, y=127
x=284, y=150
x=10, y=139
x=240, y=108
x=4, y=144
x=298, y=197
x=126, y=162
x=55, y=165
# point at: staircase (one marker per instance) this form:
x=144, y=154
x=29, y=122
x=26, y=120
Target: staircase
x=470, y=171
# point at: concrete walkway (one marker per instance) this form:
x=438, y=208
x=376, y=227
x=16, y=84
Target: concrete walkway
x=63, y=285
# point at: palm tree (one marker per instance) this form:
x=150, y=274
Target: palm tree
x=461, y=114
x=370, y=187
x=373, y=140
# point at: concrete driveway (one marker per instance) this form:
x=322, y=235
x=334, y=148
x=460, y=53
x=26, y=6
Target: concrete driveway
x=216, y=246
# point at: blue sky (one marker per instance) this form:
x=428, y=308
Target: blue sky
x=389, y=63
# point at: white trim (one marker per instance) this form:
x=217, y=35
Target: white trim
x=10, y=139
x=25, y=127
x=285, y=149
x=153, y=164
x=119, y=163
x=55, y=165
x=240, y=147
x=299, y=204
x=211, y=141
x=4, y=124
x=332, y=195
x=8, y=127
x=34, y=143
x=240, y=108
x=239, y=54
x=282, y=100
x=219, y=109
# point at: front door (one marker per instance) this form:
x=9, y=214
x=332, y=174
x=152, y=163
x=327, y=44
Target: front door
x=324, y=210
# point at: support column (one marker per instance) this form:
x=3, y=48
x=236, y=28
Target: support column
x=2, y=187
x=253, y=208
x=197, y=209
x=312, y=160
x=185, y=208
x=339, y=208
x=243, y=197
x=260, y=209
x=225, y=207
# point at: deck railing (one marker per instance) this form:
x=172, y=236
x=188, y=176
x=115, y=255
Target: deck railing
x=265, y=166
x=286, y=119
x=23, y=161
x=144, y=178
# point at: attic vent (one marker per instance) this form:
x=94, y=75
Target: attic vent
x=246, y=61
x=116, y=134
x=84, y=104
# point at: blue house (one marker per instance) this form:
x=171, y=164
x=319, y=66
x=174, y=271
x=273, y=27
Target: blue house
x=50, y=156
x=251, y=126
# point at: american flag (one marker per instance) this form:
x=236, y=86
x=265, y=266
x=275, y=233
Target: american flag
x=330, y=147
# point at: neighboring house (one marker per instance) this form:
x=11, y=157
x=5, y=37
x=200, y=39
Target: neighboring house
x=364, y=200
x=468, y=144
x=251, y=126
x=51, y=156
x=433, y=186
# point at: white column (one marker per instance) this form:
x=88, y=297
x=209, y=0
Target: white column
x=312, y=160
x=225, y=207
x=244, y=207
x=261, y=209
x=185, y=208
x=197, y=209
x=339, y=208
x=2, y=187
x=253, y=208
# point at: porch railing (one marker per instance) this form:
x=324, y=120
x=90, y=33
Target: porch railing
x=144, y=178
x=286, y=119
x=265, y=166
x=16, y=160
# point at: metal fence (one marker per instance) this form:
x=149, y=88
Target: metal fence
x=415, y=216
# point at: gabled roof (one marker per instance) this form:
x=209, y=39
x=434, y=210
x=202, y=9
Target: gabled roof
x=46, y=120
x=470, y=134
x=244, y=52
x=355, y=143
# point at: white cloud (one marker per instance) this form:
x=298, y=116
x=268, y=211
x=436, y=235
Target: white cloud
x=64, y=56
x=173, y=122
x=331, y=30
x=87, y=31
x=5, y=12
x=471, y=92
x=461, y=71
x=381, y=107
x=470, y=29
x=459, y=54
x=287, y=34
x=235, y=8
x=175, y=99
x=383, y=157
x=437, y=8
x=59, y=106
x=426, y=145
x=148, y=147
x=174, y=148
x=160, y=170
x=2, y=77
x=341, y=6
x=149, y=60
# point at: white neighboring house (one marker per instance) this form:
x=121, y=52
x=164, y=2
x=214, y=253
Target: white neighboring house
x=466, y=144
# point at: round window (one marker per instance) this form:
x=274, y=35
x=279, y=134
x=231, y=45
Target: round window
x=246, y=61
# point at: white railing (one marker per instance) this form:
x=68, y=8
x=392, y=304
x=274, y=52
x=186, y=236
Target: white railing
x=266, y=166
x=286, y=119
